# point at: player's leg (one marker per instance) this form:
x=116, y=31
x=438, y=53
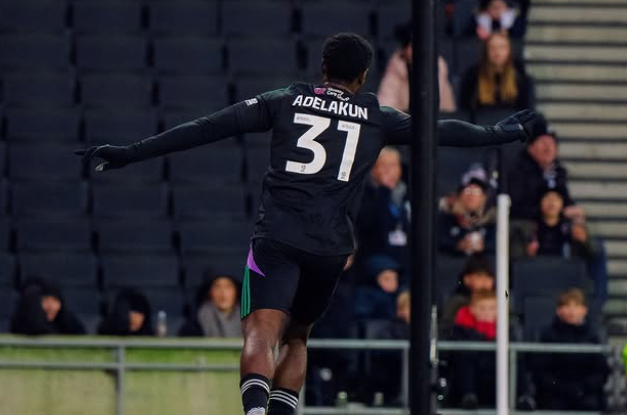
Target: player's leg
x=270, y=282
x=317, y=283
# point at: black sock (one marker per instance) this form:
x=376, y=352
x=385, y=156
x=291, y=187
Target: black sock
x=282, y=402
x=255, y=390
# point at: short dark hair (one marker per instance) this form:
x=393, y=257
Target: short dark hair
x=346, y=56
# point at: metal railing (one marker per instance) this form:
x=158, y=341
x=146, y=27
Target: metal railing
x=120, y=366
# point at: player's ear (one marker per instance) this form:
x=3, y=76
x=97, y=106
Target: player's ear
x=363, y=76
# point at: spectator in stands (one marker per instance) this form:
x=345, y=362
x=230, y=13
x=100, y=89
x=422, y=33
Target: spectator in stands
x=571, y=381
x=129, y=316
x=473, y=382
x=465, y=223
x=383, y=221
x=218, y=310
x=537, y=168
x=377, y=298
x=41, y=309
x=498, y=81
x=394, y=87
x=476, y=276
x=496, y=16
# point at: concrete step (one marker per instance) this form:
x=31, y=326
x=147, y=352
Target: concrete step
x=615, y=306
x=616, y=248
x=586, y=131
x=577, y=72
x=596, y=170
x=578, y=53
x=540, y=33
x=617, y=229
x=617, y=267
x=617, y=287
x=551, y=13
x=582, y=111
x=593, y=151
x=573, y=91
x=604, y=210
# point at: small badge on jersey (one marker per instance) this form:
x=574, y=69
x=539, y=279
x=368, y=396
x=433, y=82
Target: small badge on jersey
x=251, y=101
x=397, y=238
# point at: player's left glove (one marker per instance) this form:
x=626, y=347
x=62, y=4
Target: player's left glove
x=522, y=123
x=115, y=157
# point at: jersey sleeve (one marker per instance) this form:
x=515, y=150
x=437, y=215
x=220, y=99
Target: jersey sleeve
x=397, y=129
x=249, y=116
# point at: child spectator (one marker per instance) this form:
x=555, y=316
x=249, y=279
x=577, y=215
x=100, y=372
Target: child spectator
x=571, y=381
x=495, y=16
x=394, y=87
x=377, y=298
x=465, y=224
x=474, y=372
x=41, y=309
x=129, y=316
x=476, y=276
x=498, y=81
x=218, y=310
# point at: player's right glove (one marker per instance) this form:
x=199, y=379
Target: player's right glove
x=115, y=157
x=522, y=123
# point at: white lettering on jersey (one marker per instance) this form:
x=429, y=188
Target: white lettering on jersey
x=252, y=101
x=346, y=109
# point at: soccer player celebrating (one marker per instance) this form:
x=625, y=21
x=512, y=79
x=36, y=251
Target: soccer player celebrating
x=325, y=140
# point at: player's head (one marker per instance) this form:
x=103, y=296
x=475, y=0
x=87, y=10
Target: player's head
x=346, y=58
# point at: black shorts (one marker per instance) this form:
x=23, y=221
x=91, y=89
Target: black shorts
x=281, y=277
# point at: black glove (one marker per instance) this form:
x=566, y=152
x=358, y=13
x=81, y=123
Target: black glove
x=521, y=122
x=115, y=157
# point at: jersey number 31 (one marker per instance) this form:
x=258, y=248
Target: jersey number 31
x=308, y=141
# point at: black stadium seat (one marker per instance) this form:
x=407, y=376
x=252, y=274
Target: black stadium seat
x=245, y=56
x=156, y=270
x=39, y=90
x=43, y=162
x=54, y=235
x=251, y=18
x=538, y=312
x=148, y=171
x=119, y=126
x=143, y=201
x=182, y=18
x=67, y=268
x=197, y=267
x=249, y=86
x=453, y=163
x=107, y=17
x=7, y=271
x=189, y=56
x=215, y=236
x=116, y=91
x=42, y=125
x=48, y=199
x=346, y=17
x=217, y=161
x=448, y=270
x=207, y=201
x=35, y=52
x=390, y=16
x=32, y=16
x=135, y=236
x=205, y=94
x=111, y=53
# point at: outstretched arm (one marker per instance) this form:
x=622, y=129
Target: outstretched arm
x=455, y=133
x=253, y=115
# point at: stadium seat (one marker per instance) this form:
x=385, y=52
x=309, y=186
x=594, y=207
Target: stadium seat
x=183, y=18
x=7, y=303
x=189, y=56
x=54, y=235
x=3, y=166
x=48, y=199
x=42, y=125
x=68, y=269
x=197, y=267
x=390, y=16
x=85, y=303
x=447, y=273
x=116, y=91
x=168, y=300
x=346, y=17
x=546, y=276
x=249, y=86
x=34, y=52
x=467, y=54
x=245, y=56
x=216, y=236
x=44, y=162
x=453, y=163
x=251, y=18
x=140, y=270
x=4, y=198
x=135, y=236
x=111, y=53
x=216, y=161
x=148, y=171
x=144, y=201
x=7, y=270
x=52, y=89
x=206, y=94
x=119, y=127
x=207, y=201
x=32, y=16
x=107, y=17
x=463, y=17
x=313, y=58
x=538, y=312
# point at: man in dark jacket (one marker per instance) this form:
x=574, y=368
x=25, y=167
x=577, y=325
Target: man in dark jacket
x=42, y=310
x=572, y=381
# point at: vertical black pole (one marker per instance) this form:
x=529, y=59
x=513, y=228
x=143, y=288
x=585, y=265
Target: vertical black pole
x=424, y=115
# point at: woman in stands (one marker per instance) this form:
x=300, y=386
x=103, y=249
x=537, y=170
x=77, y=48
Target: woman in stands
x=497, y=81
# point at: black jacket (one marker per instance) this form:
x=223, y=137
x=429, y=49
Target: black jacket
x=116, y=323
x=526, y=184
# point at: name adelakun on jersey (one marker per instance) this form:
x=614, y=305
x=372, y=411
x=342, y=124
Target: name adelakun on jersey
x=336, y=107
